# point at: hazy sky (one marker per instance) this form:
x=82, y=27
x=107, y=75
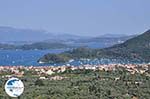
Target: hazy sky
x=86, y=17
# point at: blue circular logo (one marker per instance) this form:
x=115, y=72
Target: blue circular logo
x=14, y=87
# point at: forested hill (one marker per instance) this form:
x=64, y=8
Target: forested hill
x=137, y=48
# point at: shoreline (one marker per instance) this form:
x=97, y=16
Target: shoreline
x=70, y=65
x=49, y=70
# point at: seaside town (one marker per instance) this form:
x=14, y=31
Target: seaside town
x=54, y=81
x=43, y=71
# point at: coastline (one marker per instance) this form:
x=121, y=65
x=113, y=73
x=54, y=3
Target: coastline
x=49, y=70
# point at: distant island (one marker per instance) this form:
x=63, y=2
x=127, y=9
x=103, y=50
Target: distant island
x=134, y=49
x=34, y=46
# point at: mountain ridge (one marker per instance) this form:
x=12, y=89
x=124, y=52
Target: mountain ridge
x=20, y=37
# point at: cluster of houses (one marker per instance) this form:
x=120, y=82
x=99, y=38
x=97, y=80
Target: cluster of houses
x=42, y=71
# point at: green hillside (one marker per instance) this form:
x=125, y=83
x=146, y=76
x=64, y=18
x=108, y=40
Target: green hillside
x=137, y=48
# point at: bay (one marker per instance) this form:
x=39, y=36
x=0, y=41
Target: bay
x=24, y=57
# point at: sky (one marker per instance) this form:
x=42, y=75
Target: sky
x=79, y=17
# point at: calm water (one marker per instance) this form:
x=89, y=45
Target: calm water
x=27, y=58
x=30, y=57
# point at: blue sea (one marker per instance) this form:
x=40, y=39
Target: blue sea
x=24, y=57
x=30, y=57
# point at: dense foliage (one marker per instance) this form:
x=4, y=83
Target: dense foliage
x=85, y=84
